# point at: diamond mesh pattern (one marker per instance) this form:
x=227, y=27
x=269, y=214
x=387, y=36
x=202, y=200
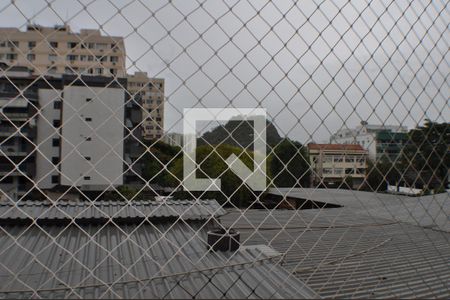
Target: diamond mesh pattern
x=357, y=132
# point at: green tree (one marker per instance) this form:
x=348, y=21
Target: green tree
x=381, y=173
x=157, y=160
x=212, y=164
x=426, y=156
x=289, y=164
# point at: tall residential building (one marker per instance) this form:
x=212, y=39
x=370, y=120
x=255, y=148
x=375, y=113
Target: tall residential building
x=17, y=135
x=331, y=164
x=81, y=133
x=150, y=92
x=88, y=130
x=65, y=131
x=58, y=50
x=379, y=140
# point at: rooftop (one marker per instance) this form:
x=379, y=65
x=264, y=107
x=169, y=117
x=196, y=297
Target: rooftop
x=103, y=211
x=374, y=246
x=152, y=258
x=336, y=147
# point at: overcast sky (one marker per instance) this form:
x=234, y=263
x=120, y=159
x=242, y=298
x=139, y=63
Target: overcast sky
x=316, y=66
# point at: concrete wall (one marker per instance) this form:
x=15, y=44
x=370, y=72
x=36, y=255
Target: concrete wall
x=105, y=130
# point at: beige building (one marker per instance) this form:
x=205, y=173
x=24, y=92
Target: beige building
x=331, y=164
x=150, y=92
x=58, y=50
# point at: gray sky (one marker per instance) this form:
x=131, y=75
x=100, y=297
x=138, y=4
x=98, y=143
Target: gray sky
x=385, y=63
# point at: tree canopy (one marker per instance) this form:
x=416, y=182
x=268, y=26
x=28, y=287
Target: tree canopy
x=289, y=164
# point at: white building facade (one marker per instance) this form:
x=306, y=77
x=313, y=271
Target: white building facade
x=367, y=136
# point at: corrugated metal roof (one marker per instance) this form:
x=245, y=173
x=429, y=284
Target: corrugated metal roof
x=135, y=261
x=427, y=211
x=345, y=254
x=104, y=210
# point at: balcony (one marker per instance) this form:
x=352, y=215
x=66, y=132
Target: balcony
x=14, y=116
x=11, y=170
x=12, y=151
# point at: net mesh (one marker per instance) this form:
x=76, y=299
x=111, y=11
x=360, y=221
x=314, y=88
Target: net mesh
x=94, y=97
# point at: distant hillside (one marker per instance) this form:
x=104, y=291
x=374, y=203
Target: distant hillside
x=238, y=134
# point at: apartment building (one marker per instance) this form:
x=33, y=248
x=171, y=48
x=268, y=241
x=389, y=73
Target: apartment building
x=61, y=69
x=332, y=164
x=380, y=140
x=64, y=131
x=81, y=133
x=150, y=93
x=17, y=135
x=58, y=50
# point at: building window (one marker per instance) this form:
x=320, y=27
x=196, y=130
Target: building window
x=31, y=57
x=54, y=44
x=10, y=44
x=11, y=56
x=101, y=46
x=55, y=160
x=57, y=104
x=31, y=44
x=114, y=59
x=338, y=159
x=349, y=159
x=87, y=177
x=71, y=45
x=56, y=123
x=88, y=119
x=72, y=57
x=101, y=58
x=90, y=58
x=83, y=58
x=327, y=171
x=56, y=142
x=338, y=171
x=13, y=44
x=55, y=179
x=349, y=171
x=52, y=57
x=113, y=71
